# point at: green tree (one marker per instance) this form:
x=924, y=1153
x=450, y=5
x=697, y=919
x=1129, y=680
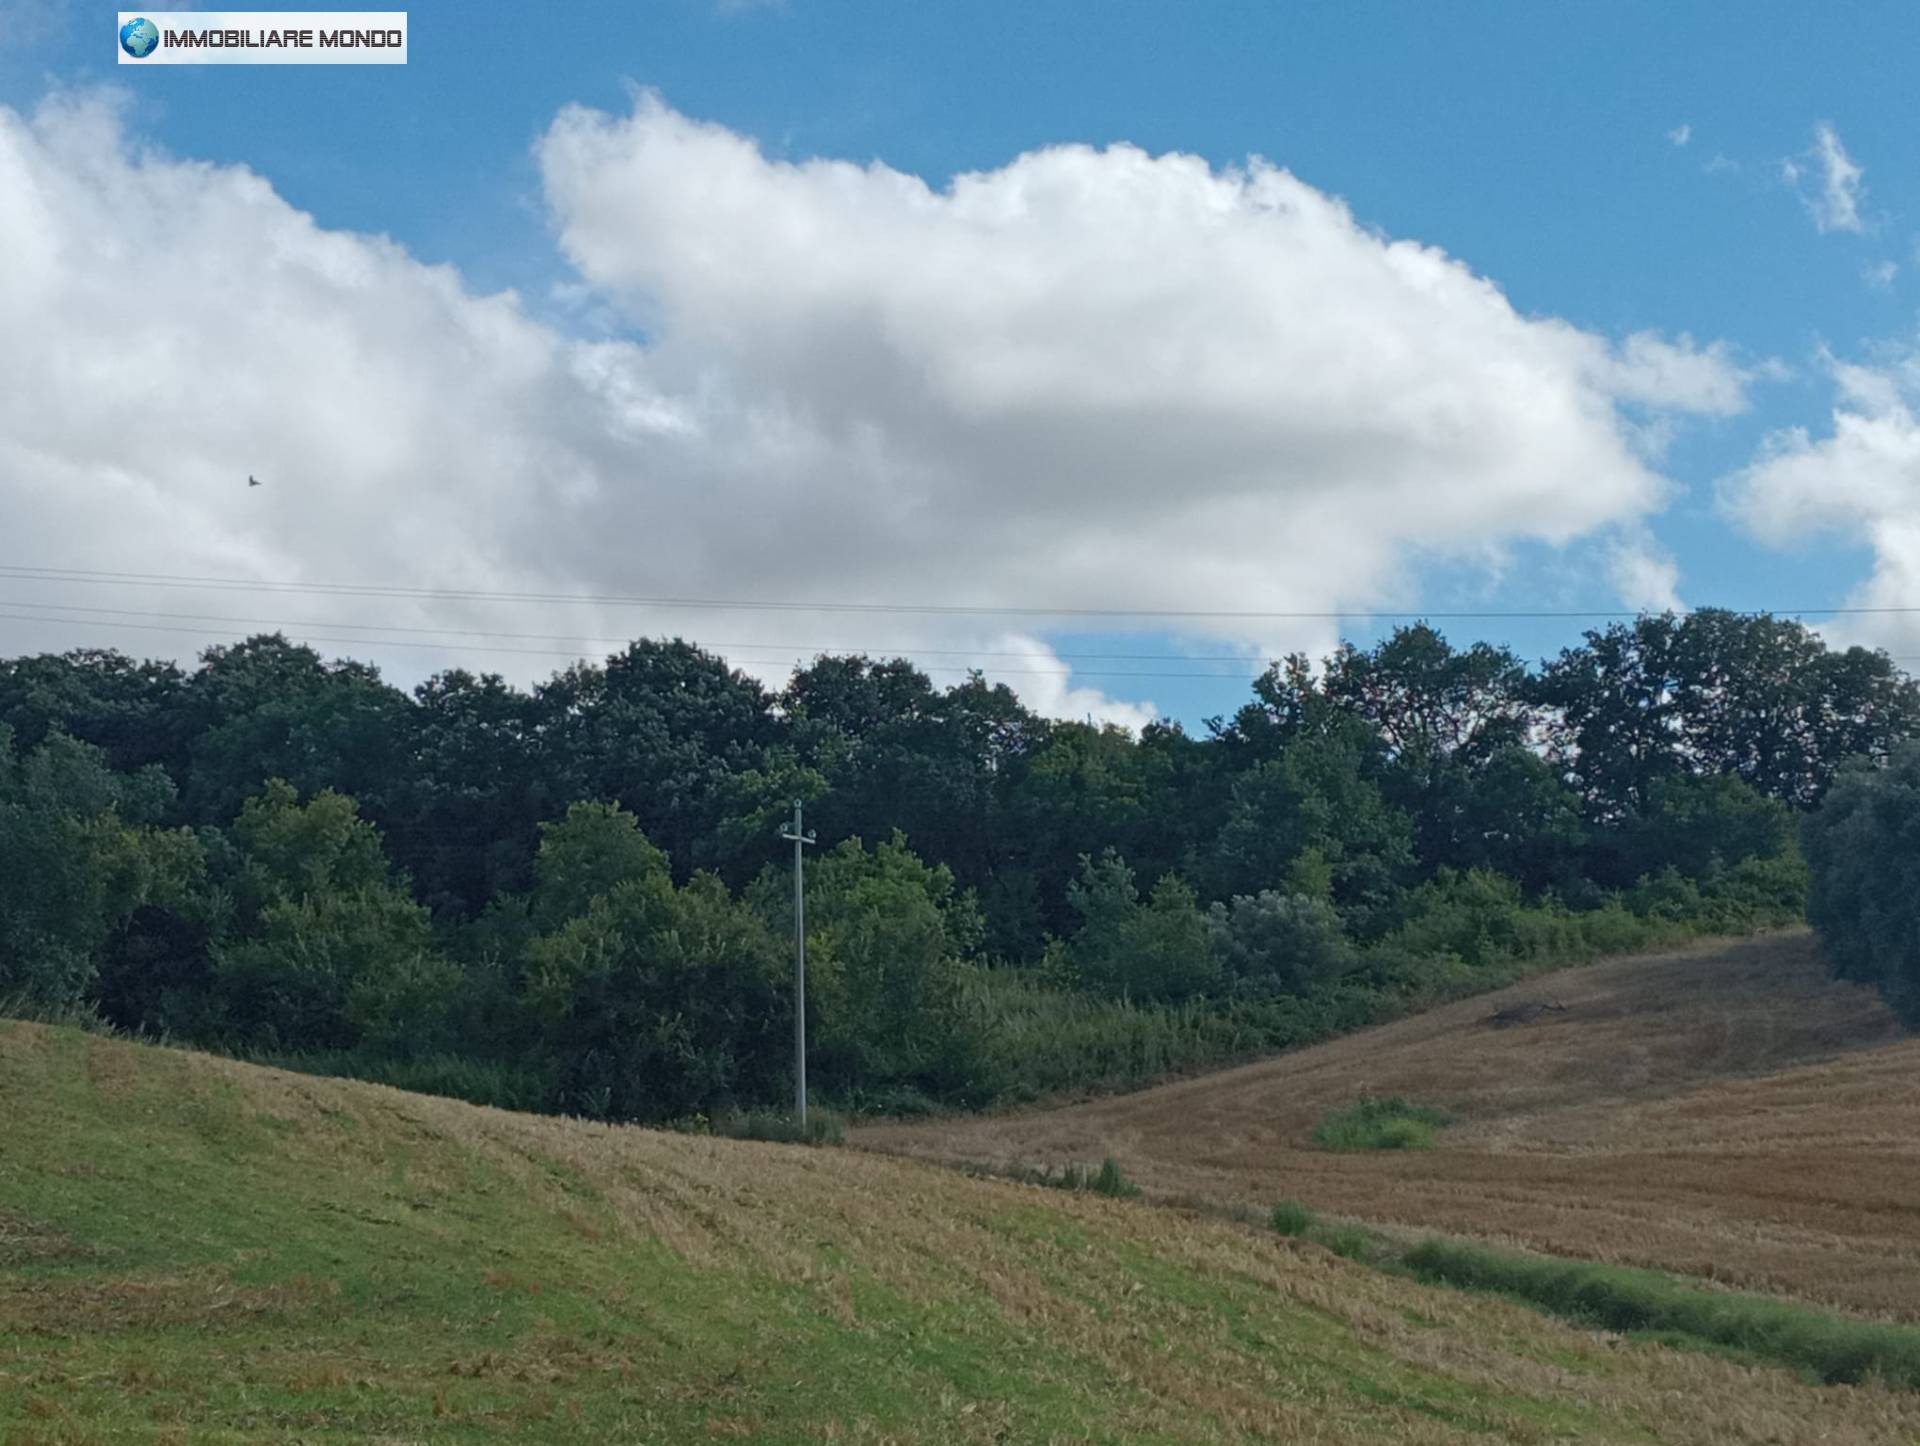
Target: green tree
x=77, y=860
x=1613, y=711
x=267, y=708
x=1765, y=700
x=1863, y=848
x=1086, y=789
x=135, y=712
x=661, y=729
x=483, y=772
x=585, y=856
x=1754, y=696
x=1127, y=949
x=1430, y=701
x=896, y=753
x=1701, y=826
x=327, y=950
x=1321, y=793
x=660, y=1001
x=1510, y=811
x=886, y=933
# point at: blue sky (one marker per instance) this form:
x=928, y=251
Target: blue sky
x=1535, y=145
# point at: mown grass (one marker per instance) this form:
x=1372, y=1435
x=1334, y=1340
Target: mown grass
x=197, y=1249
x=1379, y=1123
x=1833, y=1349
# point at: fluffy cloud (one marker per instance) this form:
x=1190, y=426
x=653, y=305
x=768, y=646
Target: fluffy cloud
x=1861, y=480
x=1645, y=573
x=1680, y=134
x=1088, y=379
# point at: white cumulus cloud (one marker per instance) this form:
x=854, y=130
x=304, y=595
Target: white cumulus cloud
x=1861, y=480
x=1644, y=572
x=1090, y=378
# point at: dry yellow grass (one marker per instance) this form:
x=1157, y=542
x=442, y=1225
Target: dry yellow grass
x=201, y=1250
x=1728, y=1112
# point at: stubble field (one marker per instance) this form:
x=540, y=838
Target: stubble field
x=1727, y=1112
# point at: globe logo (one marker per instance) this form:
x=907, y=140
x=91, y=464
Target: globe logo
x=138, y=37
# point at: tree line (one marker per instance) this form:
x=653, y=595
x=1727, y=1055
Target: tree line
x=572, y=897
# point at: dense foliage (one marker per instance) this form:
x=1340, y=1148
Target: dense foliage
x=574, y=898
x=1863, y=844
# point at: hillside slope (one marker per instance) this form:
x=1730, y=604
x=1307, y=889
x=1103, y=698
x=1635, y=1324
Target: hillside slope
x=195, y=1249
x=1728, y=1112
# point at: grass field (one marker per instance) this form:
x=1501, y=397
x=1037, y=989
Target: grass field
x=1727, y=1112
x=193, y=1249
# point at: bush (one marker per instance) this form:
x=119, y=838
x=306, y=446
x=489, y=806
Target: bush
x=1834, y=1348
x=1112, y=1181
x=1280, y=943
x=1290, y=1217
x=1109, y=1179
x=823, y=1127
x=1349, y=1242
x=1376, y=1123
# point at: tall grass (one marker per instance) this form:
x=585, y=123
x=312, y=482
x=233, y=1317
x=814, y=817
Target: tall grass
x=1835, y=1349
x=477, y=1081
x=1109, y=1179
x=1379, y=1123
x=1034, y=1039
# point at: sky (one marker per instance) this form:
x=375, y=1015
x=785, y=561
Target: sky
x=1109, y=349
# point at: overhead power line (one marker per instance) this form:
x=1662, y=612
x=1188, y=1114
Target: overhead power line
x=93, y=613
x=574, y=653
x=114, y=618
x=27, y=572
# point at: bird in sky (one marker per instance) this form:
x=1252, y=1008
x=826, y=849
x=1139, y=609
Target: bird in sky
x=252, y=481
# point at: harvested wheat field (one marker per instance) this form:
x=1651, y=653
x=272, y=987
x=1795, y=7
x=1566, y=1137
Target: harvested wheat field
x=193, y=1249
x=1726, y=1111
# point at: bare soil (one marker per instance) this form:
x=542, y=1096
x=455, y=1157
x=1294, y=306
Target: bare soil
x=1725, y=1111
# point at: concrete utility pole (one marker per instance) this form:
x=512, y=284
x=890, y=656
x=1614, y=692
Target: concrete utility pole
x=799, y=840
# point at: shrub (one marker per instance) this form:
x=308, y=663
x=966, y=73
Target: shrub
x=1112, y=1181
x=1290, y=1217
x=1473, y=916
x=1350, y=1242
x=1379, y=1123
x=1280, y=943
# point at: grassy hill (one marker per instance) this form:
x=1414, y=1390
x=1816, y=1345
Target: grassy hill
x=193, y=1249
x=1723, y=1111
